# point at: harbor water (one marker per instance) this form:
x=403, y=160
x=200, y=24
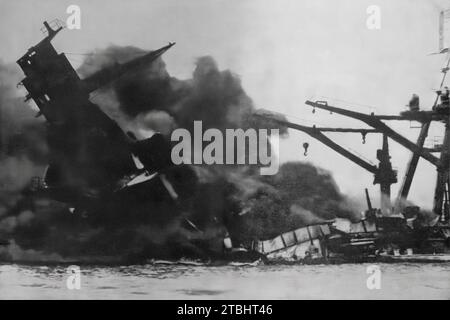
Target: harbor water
x=156, y=281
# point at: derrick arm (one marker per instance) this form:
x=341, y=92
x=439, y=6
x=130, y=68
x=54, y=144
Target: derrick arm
x=317, y=134
x=376, y=123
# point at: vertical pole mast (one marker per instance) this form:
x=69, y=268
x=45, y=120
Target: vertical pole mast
x=441, y=190
x=441, y=31
x=385, y=177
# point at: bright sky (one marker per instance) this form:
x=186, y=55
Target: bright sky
x=285, y=52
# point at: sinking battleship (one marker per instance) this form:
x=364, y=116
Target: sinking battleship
x=92, y=161
x=95, y=168
x=99, y=173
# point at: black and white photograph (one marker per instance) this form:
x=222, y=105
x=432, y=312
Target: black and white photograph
x=224, y=150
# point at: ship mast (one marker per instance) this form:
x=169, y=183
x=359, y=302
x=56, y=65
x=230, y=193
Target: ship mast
x=441, y=194
x=384, y=175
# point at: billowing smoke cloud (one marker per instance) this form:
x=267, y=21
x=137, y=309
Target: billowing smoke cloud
x=214, y=96
x=23, y=154
x=300, y=194
x=22, y=139
x=216, y=198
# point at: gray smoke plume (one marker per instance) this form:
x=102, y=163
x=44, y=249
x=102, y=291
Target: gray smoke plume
x=217, y=198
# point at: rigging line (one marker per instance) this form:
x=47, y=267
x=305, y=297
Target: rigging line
x=75, y=59
x=360, y=155
x=446, y=71
x=356, y=104
x=306, y=120
x=309, y=121
x=99, y=54
x=82, y=61
x=79, y=54
x=295, y=117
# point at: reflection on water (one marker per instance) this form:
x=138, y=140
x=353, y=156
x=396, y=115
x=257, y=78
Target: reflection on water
x=346, y=281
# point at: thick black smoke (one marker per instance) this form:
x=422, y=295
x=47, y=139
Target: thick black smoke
x=23, y=154
x=217, y=198
x=214, y=96
x=300, y=194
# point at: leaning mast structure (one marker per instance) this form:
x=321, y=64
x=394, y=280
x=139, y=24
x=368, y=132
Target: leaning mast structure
x=384, y=175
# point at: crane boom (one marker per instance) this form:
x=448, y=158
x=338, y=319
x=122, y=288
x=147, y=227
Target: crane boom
x=376, y=123
x=317, y=134
x=384, y=175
